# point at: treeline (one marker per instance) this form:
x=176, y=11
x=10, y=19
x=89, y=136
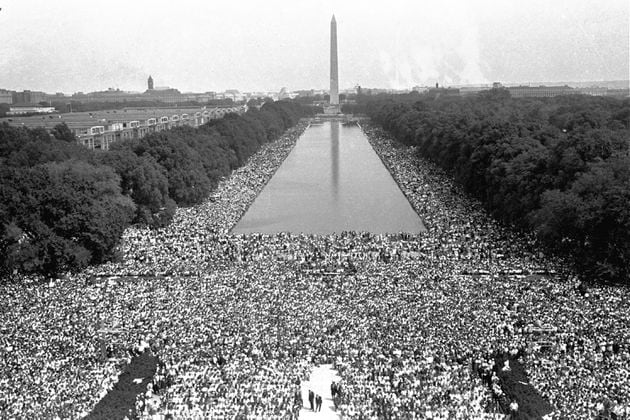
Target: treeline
x=558, y=166
x=63, y=207
x=4, y=108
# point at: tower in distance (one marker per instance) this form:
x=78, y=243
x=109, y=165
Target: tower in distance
x=334, y=74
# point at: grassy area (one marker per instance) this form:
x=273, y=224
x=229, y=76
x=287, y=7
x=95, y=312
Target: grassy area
x=515, y=384
x=121, y=400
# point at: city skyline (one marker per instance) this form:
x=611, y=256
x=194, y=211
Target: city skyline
x=68, y=47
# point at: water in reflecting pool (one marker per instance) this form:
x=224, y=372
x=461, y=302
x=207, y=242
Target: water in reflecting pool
x=332, y=181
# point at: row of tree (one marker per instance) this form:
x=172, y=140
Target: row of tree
x=63, y=207
x=558, y=166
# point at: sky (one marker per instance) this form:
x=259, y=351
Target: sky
x=76, y=45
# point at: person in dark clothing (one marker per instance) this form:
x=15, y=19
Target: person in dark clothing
x=333, y=390
x=318, y=403
x=297, y=398
x=221, y=360
x=311, y=399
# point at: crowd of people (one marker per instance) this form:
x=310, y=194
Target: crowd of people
x=412, y=323
x=575, y=344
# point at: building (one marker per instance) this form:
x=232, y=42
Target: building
x=438, y=92
x=619, y=93
x=420, y=89
x=6, y=97
x=98, y=130
x=159, y=94
x=551, y=91
x=28, y=97
x=163, y=94
x=232, y=94
x=540, y=91
x=56, y=97
x=24, y=110
x=593, y=91
x=199, y=97
x=109, y=95
x=283, y=94
x=472, y=90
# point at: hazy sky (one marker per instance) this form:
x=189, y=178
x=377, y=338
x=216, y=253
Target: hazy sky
x=79, y=45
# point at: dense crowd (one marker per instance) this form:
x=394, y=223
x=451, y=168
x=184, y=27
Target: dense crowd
x=412, y=323
x=574, y=343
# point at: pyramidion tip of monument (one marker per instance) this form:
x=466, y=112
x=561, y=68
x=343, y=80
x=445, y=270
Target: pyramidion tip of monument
x=333, y=19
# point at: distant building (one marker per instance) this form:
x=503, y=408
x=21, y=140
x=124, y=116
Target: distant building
x=603, y=91
x=283, y=94
x=199, y=97
x=23, y=110
x=6, y=97
x=99, y=129
x=593, y=91
x=376, y=91
x=109, y=95
x=540, y=91
x=437, y=92
x=552, y=91
x=56, y=97
x=233, y=94
x=164, y=94
x=471, y=90
x=305, y=93
x=619, y=93
x=28, y=97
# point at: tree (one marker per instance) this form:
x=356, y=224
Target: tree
x=61, y=216
x=62, y=132
x=63, y=207
x=24, y=147
x=144, y=180
x=558, y=166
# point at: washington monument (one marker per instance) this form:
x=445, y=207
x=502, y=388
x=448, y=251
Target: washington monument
x=334, y=76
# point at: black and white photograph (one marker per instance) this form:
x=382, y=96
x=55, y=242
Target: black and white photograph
x=315, y=210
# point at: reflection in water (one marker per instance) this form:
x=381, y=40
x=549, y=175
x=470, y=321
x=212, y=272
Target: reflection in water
x=332, y=181
x=334, y=158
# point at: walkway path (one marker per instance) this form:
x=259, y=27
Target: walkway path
x=319, y=382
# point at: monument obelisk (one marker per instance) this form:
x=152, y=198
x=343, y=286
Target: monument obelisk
x=334, y=75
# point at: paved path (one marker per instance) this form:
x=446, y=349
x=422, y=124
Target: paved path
x=320, y=380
